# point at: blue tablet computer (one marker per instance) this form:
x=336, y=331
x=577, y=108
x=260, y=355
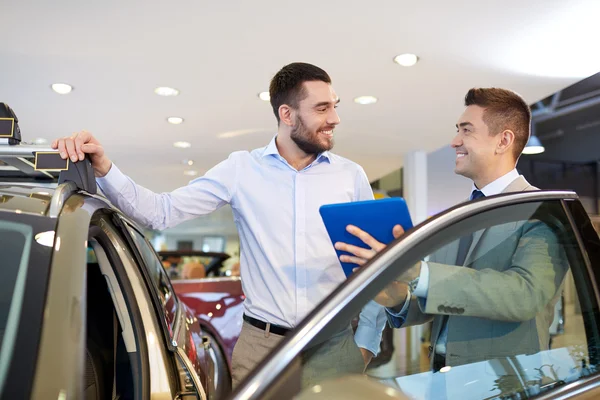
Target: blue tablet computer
x=376, y=217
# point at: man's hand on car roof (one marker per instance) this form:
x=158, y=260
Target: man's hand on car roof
x=77, y=145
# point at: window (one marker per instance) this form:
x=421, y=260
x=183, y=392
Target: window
x=185, y=245
x=214, y=244
x=515, y=318
x=15, y=246
x=26, y=243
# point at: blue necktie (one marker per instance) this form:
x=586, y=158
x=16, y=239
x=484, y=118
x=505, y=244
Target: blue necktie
x=463, y=250
x=466, y=241
x=477, y=194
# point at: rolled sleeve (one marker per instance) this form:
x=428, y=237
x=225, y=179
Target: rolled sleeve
x=370, y=327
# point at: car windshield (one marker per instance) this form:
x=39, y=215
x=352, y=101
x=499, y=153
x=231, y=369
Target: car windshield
x=15, y=247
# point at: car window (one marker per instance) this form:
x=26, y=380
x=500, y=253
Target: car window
x=508, y=310
x=15, y=246
x=160, y=280
x=26, y=243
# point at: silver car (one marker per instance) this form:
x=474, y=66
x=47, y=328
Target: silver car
x=86, y=308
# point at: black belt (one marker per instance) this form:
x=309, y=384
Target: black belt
x=276, y=329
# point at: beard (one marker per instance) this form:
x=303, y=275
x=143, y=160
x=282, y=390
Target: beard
x=309, y=141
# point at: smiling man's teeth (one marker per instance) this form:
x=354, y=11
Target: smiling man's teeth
x=459, y=155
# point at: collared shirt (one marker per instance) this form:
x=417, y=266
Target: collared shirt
x=493, y=188
x=288, y=263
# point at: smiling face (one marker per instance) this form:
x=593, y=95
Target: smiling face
x=475, y=147
x=315, y=118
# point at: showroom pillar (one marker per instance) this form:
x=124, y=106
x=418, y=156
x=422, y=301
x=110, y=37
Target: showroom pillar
x=415, y=184
x=415, y=193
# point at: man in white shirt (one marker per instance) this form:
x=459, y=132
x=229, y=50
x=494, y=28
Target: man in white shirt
x=287, y=262
x=502, y=303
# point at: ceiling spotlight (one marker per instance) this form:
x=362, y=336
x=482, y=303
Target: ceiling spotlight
x=61, y=88
x=182, y=145
x=188, y=162
x=264, y=96
x=190, y=172
x=175, y=120
x=533, y=146
x=406, y=60
x=166, y=91
x=366, y=100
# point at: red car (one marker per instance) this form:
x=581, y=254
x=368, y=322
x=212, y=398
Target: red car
x=217, y=301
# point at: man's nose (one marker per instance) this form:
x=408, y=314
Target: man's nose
x=456, y=141
x=333, y=118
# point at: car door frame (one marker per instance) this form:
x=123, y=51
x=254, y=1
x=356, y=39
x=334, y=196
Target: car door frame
x=176, y=342
x=372, y=278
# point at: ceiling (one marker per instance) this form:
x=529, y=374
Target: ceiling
x=220, y=55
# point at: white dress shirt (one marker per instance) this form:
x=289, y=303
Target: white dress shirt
x=288, y=263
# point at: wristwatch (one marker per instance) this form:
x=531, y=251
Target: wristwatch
x=412, y=285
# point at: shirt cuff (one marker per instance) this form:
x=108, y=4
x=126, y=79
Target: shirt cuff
x=367, y=337
x=113, y=182
x=403, y=311
x=423, y=286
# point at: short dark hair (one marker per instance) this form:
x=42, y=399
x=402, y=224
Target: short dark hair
x=504, y=109
x=287, y=85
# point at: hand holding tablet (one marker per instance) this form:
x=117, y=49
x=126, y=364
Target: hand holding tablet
x=372, y=224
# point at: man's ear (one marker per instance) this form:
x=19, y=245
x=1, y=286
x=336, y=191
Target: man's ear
x=286, y=114
x=505, y=142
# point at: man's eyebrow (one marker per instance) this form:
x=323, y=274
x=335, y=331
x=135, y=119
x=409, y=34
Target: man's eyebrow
x=463, y=124
x=326, y=103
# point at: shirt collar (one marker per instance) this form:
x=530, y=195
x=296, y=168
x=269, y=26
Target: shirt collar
x=497, y=186
x=271, y=150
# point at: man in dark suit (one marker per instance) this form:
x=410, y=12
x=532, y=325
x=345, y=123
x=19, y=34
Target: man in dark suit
x=491, y=294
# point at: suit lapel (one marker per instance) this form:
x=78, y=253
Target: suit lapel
x=520, y=184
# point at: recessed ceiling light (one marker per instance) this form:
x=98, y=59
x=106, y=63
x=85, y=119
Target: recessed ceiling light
x=533, y=146
x=166, y=91
x=188, y=162
x=62, y=88
x=366, y=100
x=190, y=172
x=264, y=96
x=406, y=60
x=40, y=141
x=533, y=150
x=182, y=145
x=175, y=120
